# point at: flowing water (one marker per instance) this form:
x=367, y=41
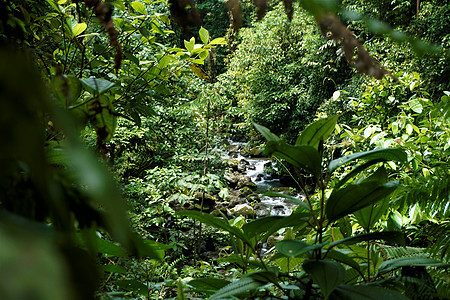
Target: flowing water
x=264, y=182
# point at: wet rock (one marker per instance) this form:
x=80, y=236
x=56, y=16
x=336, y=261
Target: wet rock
x=259, y=177
x=278, y=207
x=255, y=152
x=245, y=191
x=233, y=149
x=250, y=184
x=241, y=168
x=232, y=178
x=268, y=164
x=242, y=181
x=253, y=198
x=244, y=162
x=243, y=210
x=232, y=164
x=245, y=152
x=251, y=167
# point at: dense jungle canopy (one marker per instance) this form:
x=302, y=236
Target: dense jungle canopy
x=224, y=149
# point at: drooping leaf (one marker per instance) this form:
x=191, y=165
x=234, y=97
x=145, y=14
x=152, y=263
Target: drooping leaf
x=264, y=276
x=355, y=197
x=208, y=284
x=393, y=237
x=271, y=137
x=218, y=41
x=270, y=224
x=409, y=261
x=133, y=286
x=198, y=71
x=292, y=248
x=289, y=197
x=317, y=131
x=214, y=222
x=379, y=154
x=240, y=286
x=97, y=86
x=357, y=170
x=114, y=269
x=361, y=292
x=343, y=258
x=302, y=157
x=326, y=274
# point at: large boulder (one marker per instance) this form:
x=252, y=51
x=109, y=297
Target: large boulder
x=253, y=198
x=243, y=180
x=243, y=210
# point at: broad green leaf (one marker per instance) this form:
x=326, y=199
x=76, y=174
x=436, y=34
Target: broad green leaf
x=326, y=274
x=358, y=169
x=208, y=284
x=392, y=237
x=264, y=276
x=79, y=28
x=356, y=196
x=415, y=105
x=204, y=35
x=240, y=286
x=218, y=41
x=133, y=286
x=114, y=269
x=97, y=85
x=214, y=222
x=343, y=258
x=270, y=224
x=190, y=45
x=409, y=261
x=266, y=133
x=289, y=197
x=368, y=216
x=381, y=154
x=361, y=292
x=293, y=248
x=317, y=131
x=303, y=157
x=139, y=7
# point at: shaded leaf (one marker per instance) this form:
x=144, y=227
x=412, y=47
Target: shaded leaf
x=208, y=284
x=326, y=274
x=293, y=248
x=393, y=237
x=237, y=287
x=133, y=286
x=378, y=154
x=343, y=258
x=97, y=85
x=355, y=197
x=409, y=261
x=214, y=222
x=271, y=137
x=361, y=292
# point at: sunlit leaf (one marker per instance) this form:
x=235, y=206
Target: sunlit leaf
x=139, y=7
x=317, y=131
x=79, y=28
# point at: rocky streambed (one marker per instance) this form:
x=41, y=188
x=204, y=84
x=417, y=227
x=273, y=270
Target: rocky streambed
x=248, y=180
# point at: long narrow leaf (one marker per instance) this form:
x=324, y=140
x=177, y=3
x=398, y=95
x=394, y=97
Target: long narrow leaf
x=409, y=261
x=317, y=131
x=393, y=237
x=379, y=154
x=355, y=197
x=237, y=287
